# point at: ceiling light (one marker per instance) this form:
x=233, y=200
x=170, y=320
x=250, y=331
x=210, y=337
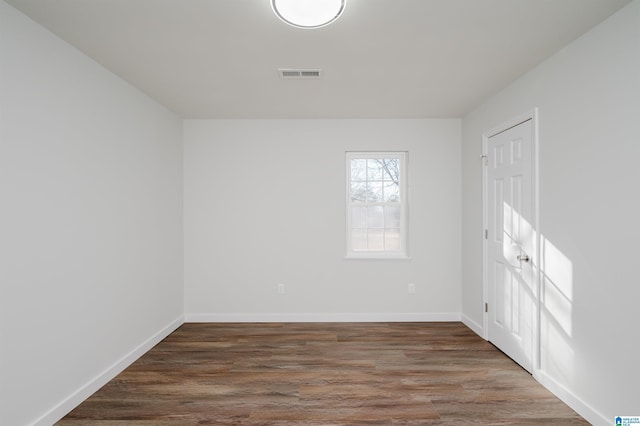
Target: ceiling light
x=308, y=13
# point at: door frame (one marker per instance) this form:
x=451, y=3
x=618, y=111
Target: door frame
x=533, y=116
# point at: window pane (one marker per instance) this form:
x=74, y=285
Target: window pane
x=391, y=169
x=376, y=240
x=391, y=192
x=359, y=239
x=374, y=192
x=376, y=217
x=392, y=216
x=358, y=217
x=359, y=191
x=358, y=169
x=392, y=239
x=376, y=202
x=374, y=169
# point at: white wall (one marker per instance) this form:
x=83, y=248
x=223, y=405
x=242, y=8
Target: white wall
x=589, y=104
x=265, y=204
x=90, y=223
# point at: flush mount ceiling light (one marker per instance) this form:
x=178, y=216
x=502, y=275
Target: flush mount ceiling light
x=308, y=13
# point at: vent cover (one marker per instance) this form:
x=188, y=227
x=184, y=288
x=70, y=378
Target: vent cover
x=297, y=74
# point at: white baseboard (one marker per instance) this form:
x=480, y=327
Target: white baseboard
x=73, y=400
x=474, y=326
x=371, y=317
x=566, y=396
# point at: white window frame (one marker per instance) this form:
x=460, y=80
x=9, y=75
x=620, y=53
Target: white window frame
x=401, y=253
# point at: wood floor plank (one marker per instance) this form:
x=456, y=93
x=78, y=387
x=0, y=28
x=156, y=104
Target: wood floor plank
x=322, y=374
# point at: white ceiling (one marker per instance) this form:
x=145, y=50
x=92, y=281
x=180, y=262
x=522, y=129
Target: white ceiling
x=381, y=59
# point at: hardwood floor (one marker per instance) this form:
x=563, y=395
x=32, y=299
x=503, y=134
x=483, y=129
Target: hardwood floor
x=323, y=374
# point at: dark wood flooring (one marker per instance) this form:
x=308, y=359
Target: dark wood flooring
x=323, y=374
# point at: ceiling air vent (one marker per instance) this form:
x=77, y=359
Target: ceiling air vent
x=296, y=74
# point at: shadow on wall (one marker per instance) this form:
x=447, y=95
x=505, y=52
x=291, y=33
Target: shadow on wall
x=556, y=306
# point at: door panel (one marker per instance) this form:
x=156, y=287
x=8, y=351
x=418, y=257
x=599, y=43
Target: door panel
x=510, y=245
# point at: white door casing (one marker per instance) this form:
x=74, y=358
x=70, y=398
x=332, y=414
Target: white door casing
x=510, y=241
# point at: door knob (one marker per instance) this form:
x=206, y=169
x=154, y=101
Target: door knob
x=523, y=257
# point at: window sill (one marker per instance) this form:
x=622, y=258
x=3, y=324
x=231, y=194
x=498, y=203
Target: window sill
x=370, y=256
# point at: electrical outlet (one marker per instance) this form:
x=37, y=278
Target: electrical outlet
x=280, y=288
x=411, y=288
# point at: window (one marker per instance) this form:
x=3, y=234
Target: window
x=376, y=204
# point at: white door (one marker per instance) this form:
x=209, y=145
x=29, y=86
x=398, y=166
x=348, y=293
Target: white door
x=511, y=243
